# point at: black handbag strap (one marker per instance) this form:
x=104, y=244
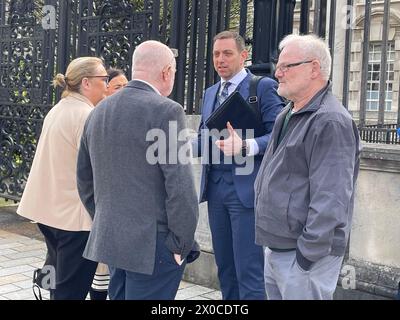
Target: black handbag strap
x=35, y=285
x=38, y=295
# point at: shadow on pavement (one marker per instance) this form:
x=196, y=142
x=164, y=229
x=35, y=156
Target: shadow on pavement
x=10, y=221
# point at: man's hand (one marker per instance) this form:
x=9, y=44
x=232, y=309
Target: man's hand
x=178, y=259
x=232, y=145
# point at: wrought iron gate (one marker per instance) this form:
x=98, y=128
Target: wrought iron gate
x=32, y=51
x=26, y=67
x=38, y=38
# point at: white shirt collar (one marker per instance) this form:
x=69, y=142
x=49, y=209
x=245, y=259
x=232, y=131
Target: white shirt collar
x=236, y=79
x=150, y=85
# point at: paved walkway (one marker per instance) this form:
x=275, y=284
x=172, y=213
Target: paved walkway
x=20, y=255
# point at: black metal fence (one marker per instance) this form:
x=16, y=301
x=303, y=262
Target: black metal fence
x=386, y=133
x=38, y=38
x=381, y=131
x=374, y=86
x=26, y=68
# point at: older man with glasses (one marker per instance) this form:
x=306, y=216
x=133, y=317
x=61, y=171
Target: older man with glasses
x=305, y=185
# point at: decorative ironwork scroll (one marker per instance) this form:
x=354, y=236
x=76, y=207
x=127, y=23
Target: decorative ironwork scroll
x=111, y=30
x=26, y=63
x=33, y=50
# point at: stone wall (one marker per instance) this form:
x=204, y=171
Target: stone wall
x=372, y=263
x=374, y=247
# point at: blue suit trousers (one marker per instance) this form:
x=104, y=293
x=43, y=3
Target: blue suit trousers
x=239, y=260
x=163, y=284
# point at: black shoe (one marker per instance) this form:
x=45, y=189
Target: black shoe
x=97, y=295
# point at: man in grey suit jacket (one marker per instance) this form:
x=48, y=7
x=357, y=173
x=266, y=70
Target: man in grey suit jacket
x=145, y=211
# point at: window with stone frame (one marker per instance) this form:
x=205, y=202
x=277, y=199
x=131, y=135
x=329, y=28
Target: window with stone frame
x=374, y=68
x=298, y=5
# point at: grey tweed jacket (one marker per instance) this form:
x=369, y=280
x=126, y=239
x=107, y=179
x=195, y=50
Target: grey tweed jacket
x=130, y=198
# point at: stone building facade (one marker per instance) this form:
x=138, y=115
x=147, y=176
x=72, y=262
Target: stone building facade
x=374, y=60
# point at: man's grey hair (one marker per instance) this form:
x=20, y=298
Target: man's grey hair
x=312, y=47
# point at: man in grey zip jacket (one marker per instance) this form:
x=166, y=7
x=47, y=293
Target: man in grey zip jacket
x=305, y=186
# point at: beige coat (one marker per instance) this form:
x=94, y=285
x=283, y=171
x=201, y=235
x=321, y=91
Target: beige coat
x=51, y=196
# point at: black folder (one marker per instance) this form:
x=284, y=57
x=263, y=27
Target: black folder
x=239, y=113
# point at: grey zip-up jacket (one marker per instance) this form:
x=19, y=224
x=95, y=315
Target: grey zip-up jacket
x=305, y=186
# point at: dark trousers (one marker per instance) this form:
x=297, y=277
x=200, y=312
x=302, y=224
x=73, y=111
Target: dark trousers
x=162, y=284
x=239, y=260
x=74, y=274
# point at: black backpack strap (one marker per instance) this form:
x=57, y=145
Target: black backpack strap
x=253, y=99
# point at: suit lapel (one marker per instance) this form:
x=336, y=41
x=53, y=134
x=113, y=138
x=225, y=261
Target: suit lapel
x=244, y=86
x=209, y=101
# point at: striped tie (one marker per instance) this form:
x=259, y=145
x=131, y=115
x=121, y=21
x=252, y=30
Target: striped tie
x=224, y=93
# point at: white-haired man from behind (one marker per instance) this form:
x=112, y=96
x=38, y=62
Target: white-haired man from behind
x=145, y=214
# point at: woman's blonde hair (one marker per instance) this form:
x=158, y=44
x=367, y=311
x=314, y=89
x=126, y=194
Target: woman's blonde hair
x=78, y=69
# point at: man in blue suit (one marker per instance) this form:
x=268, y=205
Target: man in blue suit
x=230, y=195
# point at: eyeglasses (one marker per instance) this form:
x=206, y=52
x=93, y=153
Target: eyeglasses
x=106, y=79
x=286, y=67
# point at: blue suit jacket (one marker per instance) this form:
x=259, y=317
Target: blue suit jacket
x=270, y=104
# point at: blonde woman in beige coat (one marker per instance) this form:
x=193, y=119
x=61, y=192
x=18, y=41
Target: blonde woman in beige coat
x=50, y=197
x=101, y=280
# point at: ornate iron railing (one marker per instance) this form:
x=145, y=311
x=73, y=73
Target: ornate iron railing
x=32, y=51
x=26, y=68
